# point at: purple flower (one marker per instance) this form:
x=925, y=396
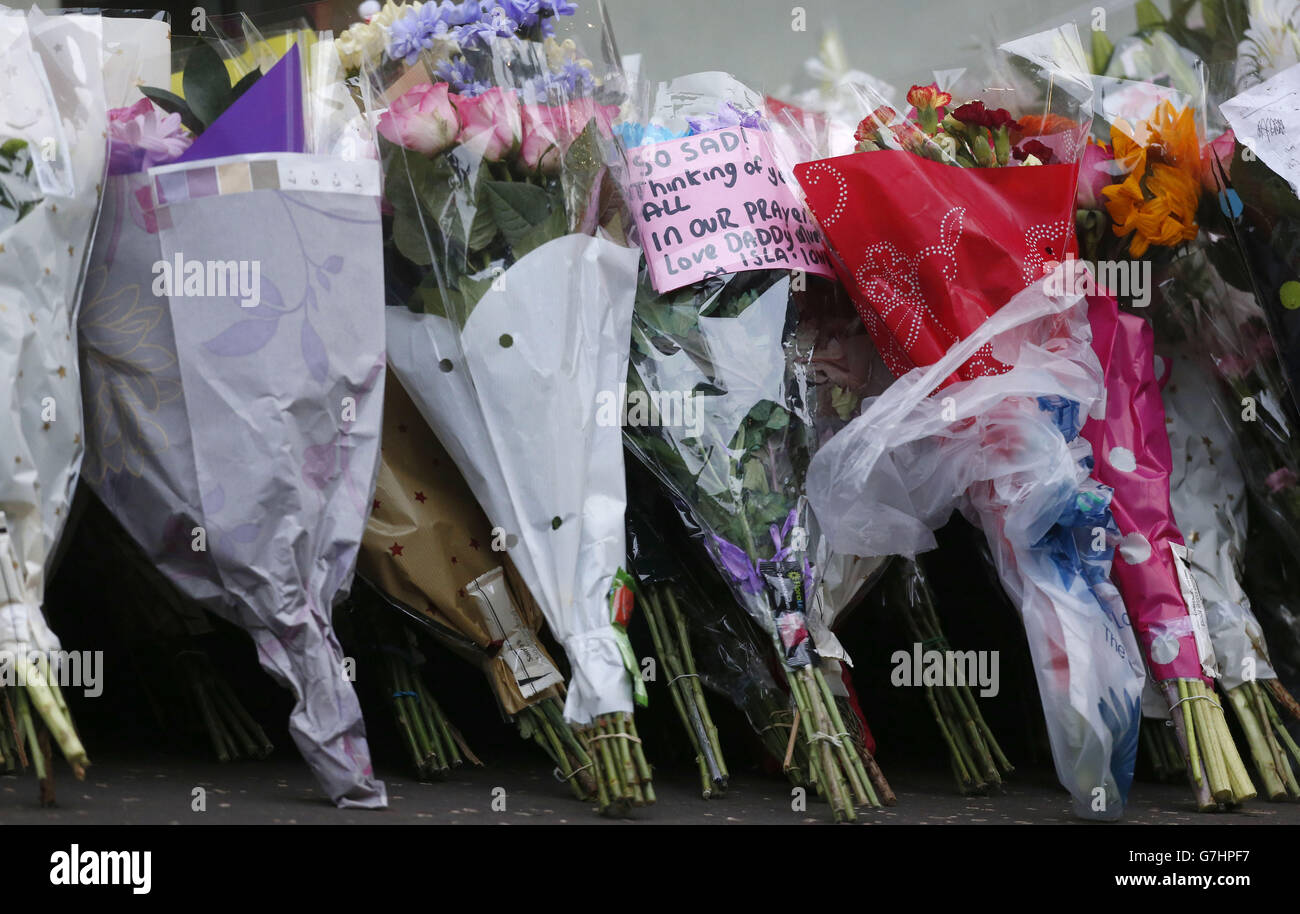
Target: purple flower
x=729, y=115
x=556, y=7
x=779, y=536
x=525, y=12
x=495, y=24
x=458, y=14
x=737, y=565
x=460, y=76
x=142, y=136
x=418, y=29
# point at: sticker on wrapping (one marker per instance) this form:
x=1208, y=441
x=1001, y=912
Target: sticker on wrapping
x=1195, y=611
x=785, y=589
x=621, y=596
x=532, y=670
x=717, y=203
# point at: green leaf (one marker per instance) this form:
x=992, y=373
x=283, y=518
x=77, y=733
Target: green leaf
x=555, y=225
x=206, y=83
x=13, y=147
x=1149, y=16
x=245, y=83
x=1102, y=49
x=753, y=478
x=174, y=104
x=517, y=207
x=409, y=237
x=483, y=228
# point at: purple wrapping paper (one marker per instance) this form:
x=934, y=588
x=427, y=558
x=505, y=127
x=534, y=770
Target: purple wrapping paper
x=258, y=424
x=266, y=118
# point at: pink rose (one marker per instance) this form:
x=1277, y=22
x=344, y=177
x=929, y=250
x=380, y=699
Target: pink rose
x=1095, y=172
x=548, y=132
x=541, y=146
x=1281, y=479
x=1220, y=150
x=423, y=119
x=142, y=136
x=490, y=123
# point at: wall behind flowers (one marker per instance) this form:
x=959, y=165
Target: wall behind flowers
x=890, y=39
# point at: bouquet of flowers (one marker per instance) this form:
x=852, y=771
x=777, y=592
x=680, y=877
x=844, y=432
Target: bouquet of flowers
x=995, y=361
x=1160, y=191
x=492, y=133
x=428, y=548
x=233, y=366
x=52, y=159
x=1208, y=493
x=717, y=395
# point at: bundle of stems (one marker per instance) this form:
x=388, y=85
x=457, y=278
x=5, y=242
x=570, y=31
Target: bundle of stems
x=1271, y=747
x=33, y=712
x=838, y=769
x=1214, y=768
x=622, y=773
x=434, y=743
x=977, y=760
x=858, y=738
x=668, y=631
x=233, y=731
x=543, y=723
x=1162, y=750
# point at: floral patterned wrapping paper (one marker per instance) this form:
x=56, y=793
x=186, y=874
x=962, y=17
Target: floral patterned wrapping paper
x=259, y=425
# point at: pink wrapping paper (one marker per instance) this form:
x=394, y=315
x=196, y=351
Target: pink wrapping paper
x=1133, y=456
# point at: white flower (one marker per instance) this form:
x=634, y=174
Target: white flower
x=1271, y=43
x=558, y=54
x=364, y=42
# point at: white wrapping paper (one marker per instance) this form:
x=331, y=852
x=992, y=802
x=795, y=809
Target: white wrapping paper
x=53, y=98
x=538, y=350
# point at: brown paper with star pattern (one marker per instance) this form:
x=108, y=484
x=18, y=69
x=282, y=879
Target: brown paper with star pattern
x=428, y=545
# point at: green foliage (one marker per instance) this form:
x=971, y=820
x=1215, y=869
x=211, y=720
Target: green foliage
x=208, y=92
x=19, y=193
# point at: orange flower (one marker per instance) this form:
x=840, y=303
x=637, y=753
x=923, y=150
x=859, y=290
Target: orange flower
x=1043, y=125
x=1166, y=218
x=923, y=97
x=1157, y=199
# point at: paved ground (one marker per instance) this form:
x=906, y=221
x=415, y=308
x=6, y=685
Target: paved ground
x=281, y=791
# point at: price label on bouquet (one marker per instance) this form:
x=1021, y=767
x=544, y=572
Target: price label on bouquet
x=717, y=203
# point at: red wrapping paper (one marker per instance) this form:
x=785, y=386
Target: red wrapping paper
x=927, y=251
x=1133, y=456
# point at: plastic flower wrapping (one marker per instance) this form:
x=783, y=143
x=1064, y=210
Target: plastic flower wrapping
x=448, y=347
x=510, y=289
x=723, y=386
x=994, y=359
